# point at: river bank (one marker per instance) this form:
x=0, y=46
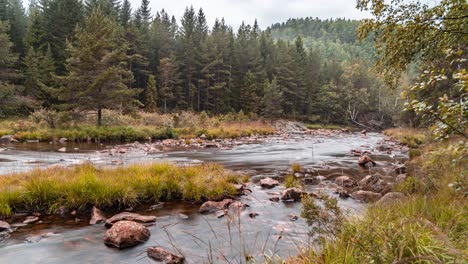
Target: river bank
x=425, y=224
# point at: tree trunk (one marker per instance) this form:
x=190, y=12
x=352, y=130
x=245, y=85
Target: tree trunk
x=99, y=117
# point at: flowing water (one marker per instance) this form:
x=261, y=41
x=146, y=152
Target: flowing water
x=180, y=228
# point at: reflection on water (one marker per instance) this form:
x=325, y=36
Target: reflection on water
x=200, y=238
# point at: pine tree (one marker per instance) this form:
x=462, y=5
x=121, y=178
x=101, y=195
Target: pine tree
x=151, y=95
x=15, y=15
x=60, y=20
x=170, y=84
x=125, y=14
x=97, y=73
x=187, y=56
x=272, y=99
x=10, y=95
x=249, y=98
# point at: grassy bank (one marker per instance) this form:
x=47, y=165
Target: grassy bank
x=326, y=126
x=82, y=186
x=429, y=226
x=139, y=127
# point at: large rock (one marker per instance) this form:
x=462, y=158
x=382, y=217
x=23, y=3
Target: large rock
x=124, y=234
x=163, y=255
x=400, y=178
x=363, y=160
x=292, y=194
x=7, y=139
x=268, y=183
x=345, y=181
x=130, y=217
x=97, y=216
x=4, y=226
x=366, y=196
x=369, y=179
x=391, y=197
x=213, y=207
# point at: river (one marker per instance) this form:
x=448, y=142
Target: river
x=180, y=228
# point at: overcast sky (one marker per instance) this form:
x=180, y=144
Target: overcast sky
x=266, y=11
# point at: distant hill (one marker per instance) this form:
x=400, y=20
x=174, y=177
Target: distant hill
x=336, y=38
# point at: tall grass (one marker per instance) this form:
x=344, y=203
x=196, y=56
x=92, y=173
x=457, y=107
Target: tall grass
x=429, y=226
x=85, y=185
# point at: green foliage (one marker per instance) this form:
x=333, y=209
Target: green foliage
x=433, y=36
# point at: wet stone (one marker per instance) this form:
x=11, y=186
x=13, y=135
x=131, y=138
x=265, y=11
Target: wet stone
x=31, y=219
x=165, y=256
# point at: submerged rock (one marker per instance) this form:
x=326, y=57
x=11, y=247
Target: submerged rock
x=237, y=206
x=161, y=254
x=268, y=183
x=124, y=234
x=292, y=194
x=130, y=217
x=366, y=196
x=212, y=206
x=97, y=216
x=30, y=219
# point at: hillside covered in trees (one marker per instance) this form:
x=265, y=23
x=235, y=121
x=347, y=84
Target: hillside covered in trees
x=65, y=55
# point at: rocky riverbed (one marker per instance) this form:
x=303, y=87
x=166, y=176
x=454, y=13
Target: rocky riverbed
x=264, y=221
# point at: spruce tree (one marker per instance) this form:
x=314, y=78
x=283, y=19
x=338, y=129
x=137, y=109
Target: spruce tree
x=125, y=14
x=151, y=95
x=249, y=98
x=97, y=72
x=272, y=99
x=170, y=88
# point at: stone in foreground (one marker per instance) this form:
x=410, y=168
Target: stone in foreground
x=130, y=217
x=268, y=183
x=163, y=255
x=97, y=216
x=292, y=194
x=125, y=234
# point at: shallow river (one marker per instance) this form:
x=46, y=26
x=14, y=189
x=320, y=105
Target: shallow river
x=180, y=228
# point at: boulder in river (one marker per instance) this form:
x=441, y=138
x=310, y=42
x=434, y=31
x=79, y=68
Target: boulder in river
x=146, y=219
x=4, y=226
x=165, y=256
x=97, y=216
x=292, y=194
x=369, y=179
x=345, y=181
x=213, y=207
x=7, y=139
x=363, y=160
x=390, y=198
x=124, y=234
x=268, y=183
x=366, y=196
